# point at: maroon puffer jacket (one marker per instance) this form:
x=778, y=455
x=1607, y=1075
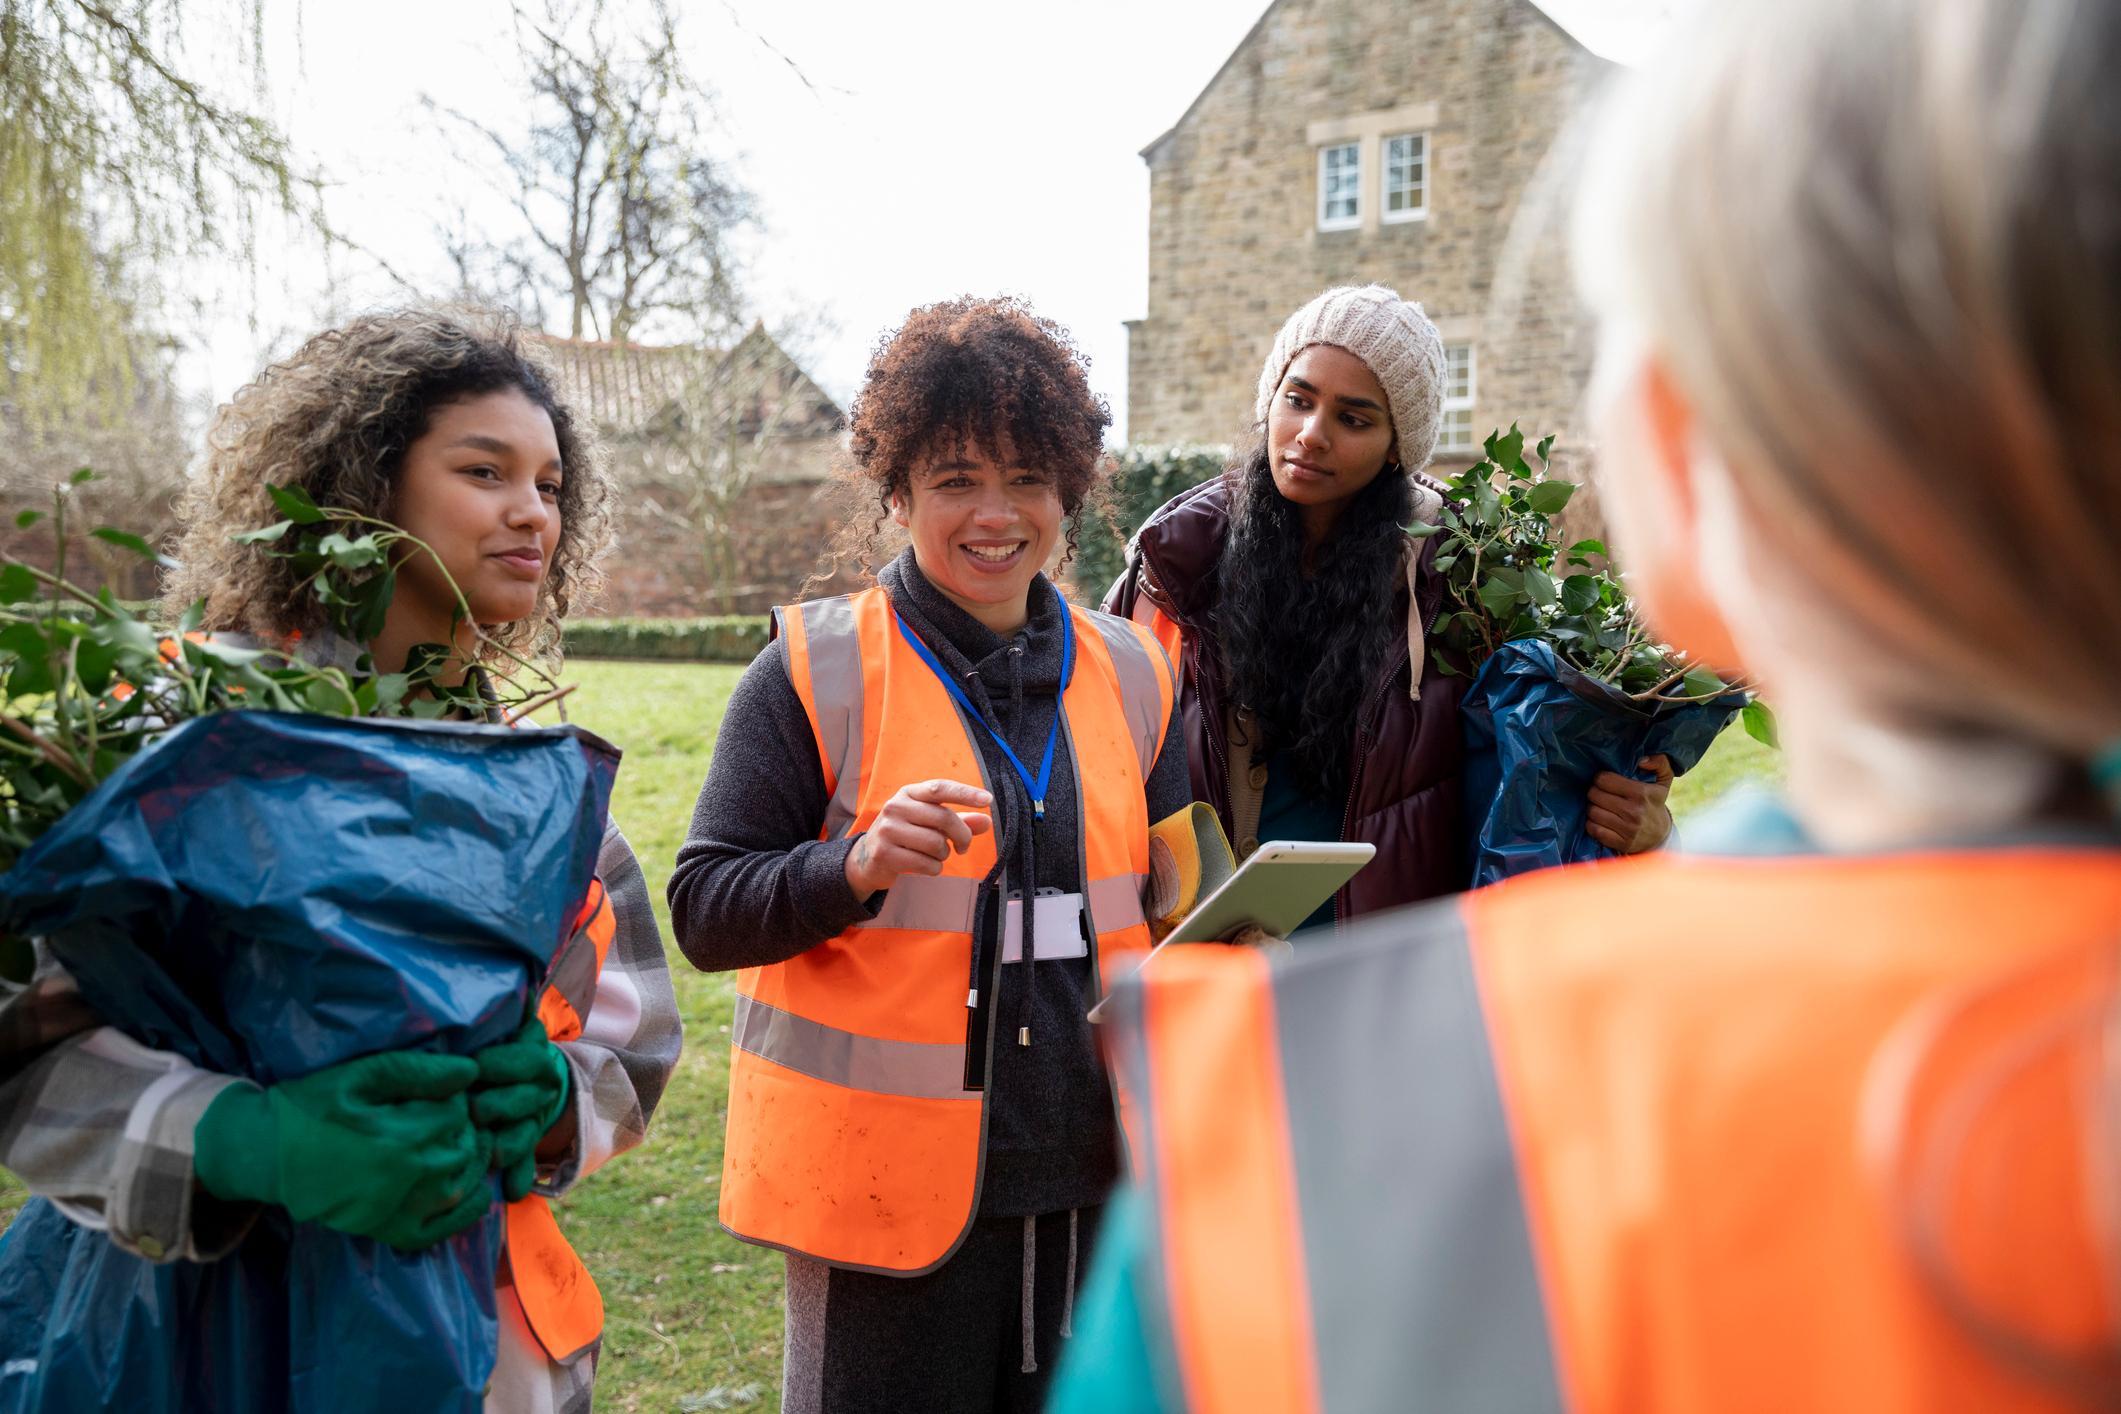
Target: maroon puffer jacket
x=1405, y=791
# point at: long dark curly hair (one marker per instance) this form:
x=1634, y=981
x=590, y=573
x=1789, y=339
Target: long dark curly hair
x=1300, y=650
x=969, y=372
x=335, y=418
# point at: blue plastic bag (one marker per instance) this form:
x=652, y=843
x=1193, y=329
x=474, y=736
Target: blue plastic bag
x=268, y=894
x=1537, y=732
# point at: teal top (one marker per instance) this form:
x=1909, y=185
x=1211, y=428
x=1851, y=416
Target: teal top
x=1288, y=812
x=1108, y=1366
x=1750, y=820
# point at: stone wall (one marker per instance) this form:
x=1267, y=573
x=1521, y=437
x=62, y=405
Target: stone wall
x=1233, y=238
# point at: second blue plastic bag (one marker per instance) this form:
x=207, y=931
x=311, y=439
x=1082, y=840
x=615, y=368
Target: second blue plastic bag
x=1537, y=732
x=268, y=894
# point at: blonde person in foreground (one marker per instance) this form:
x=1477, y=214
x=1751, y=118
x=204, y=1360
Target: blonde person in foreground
x=443, y=423
x=1819, y=1115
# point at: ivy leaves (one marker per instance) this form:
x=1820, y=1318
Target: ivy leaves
x=1506, y=577
x=352, y=576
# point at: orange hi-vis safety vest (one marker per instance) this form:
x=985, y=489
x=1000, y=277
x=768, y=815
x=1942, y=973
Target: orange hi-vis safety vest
x=1162, y=627
x=852, y=1136
x=1663, y=1134
x=560, y=1299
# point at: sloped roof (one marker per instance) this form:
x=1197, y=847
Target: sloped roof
x=622, y=387
x=627, y=389
x=1253, y=33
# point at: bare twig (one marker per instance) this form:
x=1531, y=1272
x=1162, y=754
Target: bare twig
x=517, y=714
x=51, y=750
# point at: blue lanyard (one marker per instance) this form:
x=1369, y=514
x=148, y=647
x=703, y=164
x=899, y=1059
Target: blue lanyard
x=1037, y=786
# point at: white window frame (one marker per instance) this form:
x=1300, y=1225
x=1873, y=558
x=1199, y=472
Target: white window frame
x=1419, y=212
x=1352, y=221
x=1460, y=402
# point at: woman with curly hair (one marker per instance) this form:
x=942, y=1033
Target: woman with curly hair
x=1297, y=607
x=344, y=420
x=923, y=839
x=443, y=424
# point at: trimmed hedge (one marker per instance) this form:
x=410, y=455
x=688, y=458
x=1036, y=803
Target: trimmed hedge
x=725, y=638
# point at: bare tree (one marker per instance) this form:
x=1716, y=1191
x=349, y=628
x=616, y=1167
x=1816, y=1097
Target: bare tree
x=626, y=221
x=750, y=411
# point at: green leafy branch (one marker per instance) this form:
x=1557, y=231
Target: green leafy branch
x=86, y=681
x=349, y=563
x=1507, y=577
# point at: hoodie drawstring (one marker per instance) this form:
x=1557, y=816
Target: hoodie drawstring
x=1016, y=829
x=1030, y=1364
x=1027, y=849
x=1028, y=1329
x=1068, y=1291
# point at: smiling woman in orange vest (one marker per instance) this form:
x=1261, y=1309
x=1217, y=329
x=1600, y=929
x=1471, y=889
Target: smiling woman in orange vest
x=1821, y=1114
x=445, y=424
x=924, y=839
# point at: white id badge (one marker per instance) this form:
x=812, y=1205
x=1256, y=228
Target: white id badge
x=1059, y=933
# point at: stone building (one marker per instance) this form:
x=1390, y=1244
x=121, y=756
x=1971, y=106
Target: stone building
x=1422, y=143
x=723, y=460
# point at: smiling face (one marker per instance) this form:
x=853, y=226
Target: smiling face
x=482, y=487
x=981, y=531
x=1329, y=433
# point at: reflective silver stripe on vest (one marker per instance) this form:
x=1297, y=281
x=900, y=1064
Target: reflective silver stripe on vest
x=1416, y=1242
x=835, y=651
x=1116, y=903
x=1140, y=686
x=944, y=904
x=928, y=904
x=916, y=1069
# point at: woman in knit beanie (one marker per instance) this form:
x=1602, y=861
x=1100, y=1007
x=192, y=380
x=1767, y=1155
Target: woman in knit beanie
x=1297, y=606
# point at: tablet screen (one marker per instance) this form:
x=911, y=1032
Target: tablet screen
x=1276, y=889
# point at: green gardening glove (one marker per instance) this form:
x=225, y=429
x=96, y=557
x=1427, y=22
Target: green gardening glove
x=379, y=1147
x=523, y=1089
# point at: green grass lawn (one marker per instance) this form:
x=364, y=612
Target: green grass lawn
x=689, y=1310
x=1735, y=759
x=694, y=1316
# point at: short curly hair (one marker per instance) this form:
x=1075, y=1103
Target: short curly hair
x=977, y=373
x=336, y=418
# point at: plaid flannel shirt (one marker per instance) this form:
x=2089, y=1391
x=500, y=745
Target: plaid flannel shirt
x=102, y=1125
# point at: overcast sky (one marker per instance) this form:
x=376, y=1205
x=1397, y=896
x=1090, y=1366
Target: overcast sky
x=938, y=147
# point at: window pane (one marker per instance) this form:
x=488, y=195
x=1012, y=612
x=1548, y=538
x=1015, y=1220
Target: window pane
x=1406, y=171
x=1458, y=371
x=1340, y=181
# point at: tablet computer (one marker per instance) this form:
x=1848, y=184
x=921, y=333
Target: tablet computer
x=1275, y=889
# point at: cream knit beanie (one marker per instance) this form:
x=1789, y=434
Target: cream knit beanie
x=1396, y=340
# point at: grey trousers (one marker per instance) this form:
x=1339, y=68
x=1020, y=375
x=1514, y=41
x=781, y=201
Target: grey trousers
x=980, y=1333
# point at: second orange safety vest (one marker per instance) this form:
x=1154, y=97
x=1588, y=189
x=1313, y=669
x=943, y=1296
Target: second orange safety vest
x=853, y=1137
x=560, y=1299
x=1670, y=1134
